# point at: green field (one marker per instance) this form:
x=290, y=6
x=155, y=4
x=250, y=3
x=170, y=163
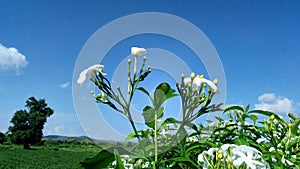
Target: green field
x=45, y=157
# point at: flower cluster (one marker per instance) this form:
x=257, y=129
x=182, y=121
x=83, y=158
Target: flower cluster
x=241, y=140
x=232, y=155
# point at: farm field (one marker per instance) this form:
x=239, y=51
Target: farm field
x=50, y=157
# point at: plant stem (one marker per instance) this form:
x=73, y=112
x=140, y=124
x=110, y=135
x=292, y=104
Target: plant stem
x=155, y=139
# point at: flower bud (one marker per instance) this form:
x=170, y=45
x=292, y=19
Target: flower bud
x=189, y=84
x=129, y=61
x=219, y=154
x=100, y=69
x=216, y=81
x=192, y=75
x=272, y=117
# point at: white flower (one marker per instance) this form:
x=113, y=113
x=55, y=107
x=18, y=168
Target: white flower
x=247, y=155
x=136, y=51
x=272, y=149
x=210, y=152
x=247, y=159
x=198, y=82
x=82, y=76
x=192, y=139
x=225, y=147
x=261, y=140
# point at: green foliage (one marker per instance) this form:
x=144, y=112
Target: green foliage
x=27, y=127
x=101, y=160
x=173, y=143
x=149, y=115
x=276, y=138
x=105, y=157
x=162, y=93
x=54, y=157
x=2, y=138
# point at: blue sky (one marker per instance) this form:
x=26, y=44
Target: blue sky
x=257, y=42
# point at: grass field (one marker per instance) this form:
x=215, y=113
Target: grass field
x=45, y=157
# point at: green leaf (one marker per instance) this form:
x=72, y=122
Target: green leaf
x=143, y=90
x=253, y=118
x=266, y=113
x=170, y=120
x=292, y=116
x=233, y=108
x=101, y=160
x=149, y=115
x=119, y=163
x=241, y=142
x=295, y=126
x=162, y=93
x=185, y=160
x=130, y=136
x=247, y=108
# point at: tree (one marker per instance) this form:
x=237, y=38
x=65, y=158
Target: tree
x=27, y=128
x=2, y=137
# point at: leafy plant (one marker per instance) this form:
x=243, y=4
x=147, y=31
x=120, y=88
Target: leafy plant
x=244, y=138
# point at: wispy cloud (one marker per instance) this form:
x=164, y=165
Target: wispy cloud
x=65, y=124
x=64, y=85
x=11, y=59
x=275, y=103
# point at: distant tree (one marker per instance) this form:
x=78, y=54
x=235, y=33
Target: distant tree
x=27, y=128
x=2, y=138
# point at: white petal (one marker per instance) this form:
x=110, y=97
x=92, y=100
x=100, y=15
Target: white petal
x=238, y=162
x=225, y=147
x=136, y=51
x=211, y=151
x=256, y=162
x=197, y=82
x=211, y=84
x=82, y=75
x=200, y=158
x=186, y=80
x=250, y=165
x=95, y=67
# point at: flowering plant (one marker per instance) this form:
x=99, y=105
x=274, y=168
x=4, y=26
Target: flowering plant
x=241, y=141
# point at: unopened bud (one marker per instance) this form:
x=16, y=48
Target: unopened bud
x=101, y=69
x=129, y=61
x=192, y=75
x=216, y=81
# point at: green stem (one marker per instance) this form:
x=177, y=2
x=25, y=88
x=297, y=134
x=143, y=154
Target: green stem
x=135, y=130
x=155, y=139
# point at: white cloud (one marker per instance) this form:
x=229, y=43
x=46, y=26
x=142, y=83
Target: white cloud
x=64, y=85
x=65, y=124
x=11, y=59
x=58, y=129
x=274, y=103
x=267, y=97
